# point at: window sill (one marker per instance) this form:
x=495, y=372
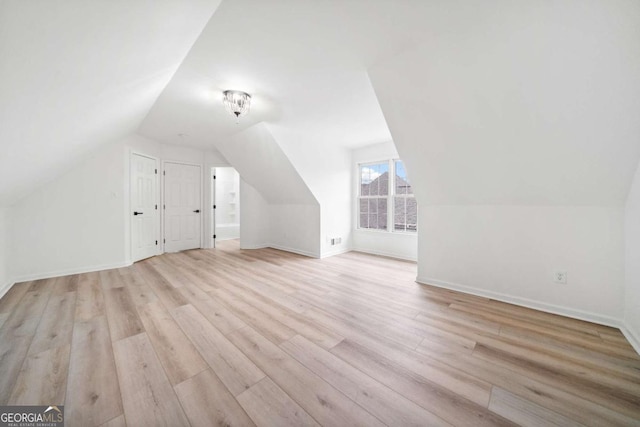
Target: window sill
x=385, y=232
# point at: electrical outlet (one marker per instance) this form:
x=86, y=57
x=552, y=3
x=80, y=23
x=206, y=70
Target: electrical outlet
x=560, y=276
x=334, y=240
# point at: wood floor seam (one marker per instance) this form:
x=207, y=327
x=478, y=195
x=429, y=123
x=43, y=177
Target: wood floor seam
x=268, y=338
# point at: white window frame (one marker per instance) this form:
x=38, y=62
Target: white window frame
x=406, y=196
x=390, y=197
x=360, y=196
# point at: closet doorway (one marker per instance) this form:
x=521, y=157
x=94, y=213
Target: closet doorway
x=226, y=205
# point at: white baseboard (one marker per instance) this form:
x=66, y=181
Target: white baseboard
x=67, y=272
x=631, y=336
x=296, y=251
x=5, y=288
x=256, y=246
x=525, y=302
x=385, y=254
x=335, y=252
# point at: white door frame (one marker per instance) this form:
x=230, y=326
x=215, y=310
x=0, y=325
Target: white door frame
x=162, y=200
x=212, y=181
x=158, y=214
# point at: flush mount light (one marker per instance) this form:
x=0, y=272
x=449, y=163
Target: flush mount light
x=236, y=103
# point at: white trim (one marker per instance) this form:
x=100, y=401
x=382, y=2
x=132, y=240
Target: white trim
x=631, y=336
x=70, y=271
x=385, y=254
x=525, y=302
x=255, y=246
x=213, y=176
x=335, y=252
x=390, y=196
x=6, y=288
x=295, y=251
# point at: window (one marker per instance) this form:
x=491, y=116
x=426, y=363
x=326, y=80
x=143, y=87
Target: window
x=374, y=195
x=405, y=208
x=385, y=200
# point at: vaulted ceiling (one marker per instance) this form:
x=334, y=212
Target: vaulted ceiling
x=489, y=102
x=75, y=74
x=527, y=103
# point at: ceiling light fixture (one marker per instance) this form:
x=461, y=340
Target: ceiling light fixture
x=237, y=103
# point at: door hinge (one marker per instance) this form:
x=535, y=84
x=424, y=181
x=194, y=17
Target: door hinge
x=156, y=207
x=214, y=206
x=164, y=207
x=214, y=236
x=164, y=240
x=164, y=172
x=156, y=243
x=214, y=177
x=156, y=171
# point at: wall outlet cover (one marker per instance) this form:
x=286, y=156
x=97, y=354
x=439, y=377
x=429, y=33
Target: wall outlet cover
x=560, y=276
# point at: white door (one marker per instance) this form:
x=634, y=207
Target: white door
x=182, y=215
x=145, y=226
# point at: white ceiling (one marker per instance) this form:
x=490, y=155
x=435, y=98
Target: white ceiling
x=304, y=61
x=75, y=74
x=534, y=103
x=463, y=85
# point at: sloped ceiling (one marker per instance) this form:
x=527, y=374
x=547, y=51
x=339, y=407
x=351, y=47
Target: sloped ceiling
x=75, y=74
x=258, y=158
x=520, y=103
x=488, y=102
x=303, y=61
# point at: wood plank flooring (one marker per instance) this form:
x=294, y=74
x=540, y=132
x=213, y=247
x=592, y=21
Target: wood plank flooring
x=268, y=338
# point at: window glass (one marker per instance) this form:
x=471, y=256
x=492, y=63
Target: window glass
x=405, y=213
x=373, y=213
x=402, y=181
x=374, y=179
x=375, y=196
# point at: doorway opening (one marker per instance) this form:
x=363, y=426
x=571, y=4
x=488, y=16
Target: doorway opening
x=226, y=204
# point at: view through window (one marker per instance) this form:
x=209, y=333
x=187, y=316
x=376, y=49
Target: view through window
x=386, y=201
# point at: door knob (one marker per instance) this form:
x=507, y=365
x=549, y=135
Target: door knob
x=197, y=211
x=138, y=213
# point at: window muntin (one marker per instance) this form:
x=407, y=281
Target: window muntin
x=373, y=213
x=385, y=200
x=402, y=185
x=374, y=193
x=374, y=179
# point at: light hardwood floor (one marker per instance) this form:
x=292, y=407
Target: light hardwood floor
x=264, y=337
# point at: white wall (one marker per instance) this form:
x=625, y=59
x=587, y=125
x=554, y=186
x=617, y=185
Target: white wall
x=511, y=252
x=75, y=222
x=295, y=228
x=80, y=221
x=397, y=245
x=326, y=169
x=5, y=276
x=291, y=216
x=517, y=169
x=167, y=152
x=632, y=252
x=254, y=218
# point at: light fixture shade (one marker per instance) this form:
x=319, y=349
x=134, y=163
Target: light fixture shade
x=236, y=102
